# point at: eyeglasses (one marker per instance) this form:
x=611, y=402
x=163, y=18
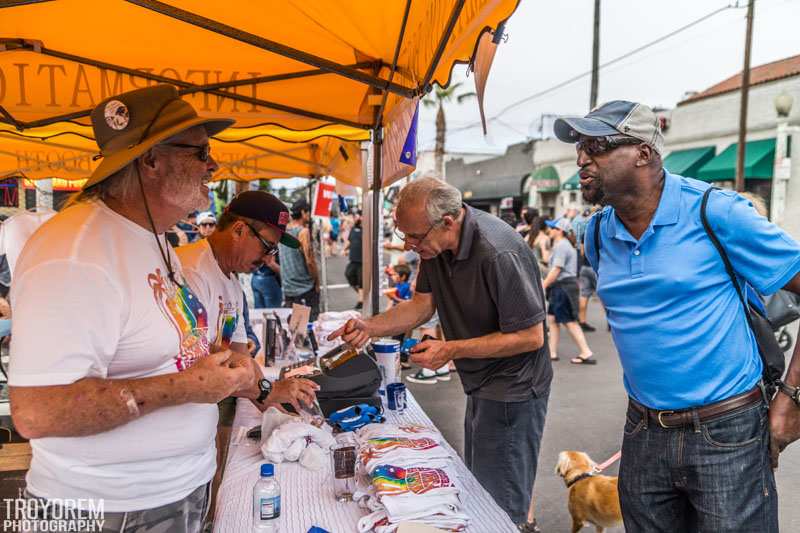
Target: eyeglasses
x=208, y=224
x=600, y=145
x=268, y=247
x=203, y=150
x=405, y=237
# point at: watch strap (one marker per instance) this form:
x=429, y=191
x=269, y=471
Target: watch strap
x=790, y=391
x=265, y=390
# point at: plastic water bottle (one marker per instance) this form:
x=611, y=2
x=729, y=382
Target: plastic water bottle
x=266, y=501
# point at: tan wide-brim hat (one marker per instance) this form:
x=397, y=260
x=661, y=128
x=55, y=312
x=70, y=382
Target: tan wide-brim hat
x=127, y=125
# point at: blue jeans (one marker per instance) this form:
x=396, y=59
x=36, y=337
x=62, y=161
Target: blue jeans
x=266, y=292
x=501, y=448
x=713, y=477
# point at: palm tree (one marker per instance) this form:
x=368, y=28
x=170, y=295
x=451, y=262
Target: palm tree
x=438, y=99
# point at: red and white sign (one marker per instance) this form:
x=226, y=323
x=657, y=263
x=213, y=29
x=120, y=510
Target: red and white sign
x=324, y=199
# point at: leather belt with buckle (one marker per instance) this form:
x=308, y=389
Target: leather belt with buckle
x=670, y=419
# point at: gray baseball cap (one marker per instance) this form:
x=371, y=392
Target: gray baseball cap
x=617, y=117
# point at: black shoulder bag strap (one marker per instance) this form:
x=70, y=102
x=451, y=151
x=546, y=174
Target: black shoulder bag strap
x=771, y=354
x=597, y=242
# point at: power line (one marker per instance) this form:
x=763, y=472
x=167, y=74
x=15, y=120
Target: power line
x=603, y=65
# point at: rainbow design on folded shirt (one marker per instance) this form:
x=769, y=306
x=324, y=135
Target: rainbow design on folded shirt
x=391, y=480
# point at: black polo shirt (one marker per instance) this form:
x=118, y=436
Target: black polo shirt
x=492, y=284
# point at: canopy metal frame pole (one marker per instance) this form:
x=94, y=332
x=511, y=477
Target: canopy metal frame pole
x=377, y=174
x=377, y=168
x=272, y=46
x=448, y=31
x=15, y=3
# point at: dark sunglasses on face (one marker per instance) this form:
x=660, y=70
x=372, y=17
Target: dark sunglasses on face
x=203, y=150
x=267, y=247
x=208, y=224
x=600, y=145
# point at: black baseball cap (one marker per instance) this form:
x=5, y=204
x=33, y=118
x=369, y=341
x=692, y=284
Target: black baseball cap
x=266, y=208
x=299, y=206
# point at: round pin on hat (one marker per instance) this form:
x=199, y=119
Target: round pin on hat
x=126, y=125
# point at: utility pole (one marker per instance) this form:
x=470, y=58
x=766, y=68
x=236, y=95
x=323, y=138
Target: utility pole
x=740, y=149
x=595, y=55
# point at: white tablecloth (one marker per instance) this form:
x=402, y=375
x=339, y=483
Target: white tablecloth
x=307, y=497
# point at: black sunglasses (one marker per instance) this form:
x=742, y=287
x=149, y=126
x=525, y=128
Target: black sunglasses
x=600, y=145
x=203, y=150
x=268, y=247
x=209, y=224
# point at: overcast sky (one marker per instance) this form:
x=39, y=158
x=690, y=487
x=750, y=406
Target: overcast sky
x=549, y=42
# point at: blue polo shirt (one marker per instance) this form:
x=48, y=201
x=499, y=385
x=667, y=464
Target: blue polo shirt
x=680, y=329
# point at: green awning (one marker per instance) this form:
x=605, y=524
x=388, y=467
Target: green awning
x=573, y=183
x=759, y=160
x=545, y=179
x=688, y=162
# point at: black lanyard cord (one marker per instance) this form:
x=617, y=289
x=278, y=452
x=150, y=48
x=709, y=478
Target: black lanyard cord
x=165, y=256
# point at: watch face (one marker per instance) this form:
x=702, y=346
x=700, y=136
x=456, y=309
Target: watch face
x=264, y=384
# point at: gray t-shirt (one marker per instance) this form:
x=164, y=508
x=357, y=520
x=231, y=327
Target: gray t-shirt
x=565, y=257
x=492, y=284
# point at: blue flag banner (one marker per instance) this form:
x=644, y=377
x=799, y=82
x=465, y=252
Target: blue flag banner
x=409, y=154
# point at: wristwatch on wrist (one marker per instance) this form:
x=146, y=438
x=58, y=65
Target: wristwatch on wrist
x=265, y=387
x=791, y=392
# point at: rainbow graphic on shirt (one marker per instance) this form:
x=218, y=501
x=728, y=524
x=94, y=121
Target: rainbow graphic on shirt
x=226, y=325
x=410, y=444
x=391, y=480
x=186, y=314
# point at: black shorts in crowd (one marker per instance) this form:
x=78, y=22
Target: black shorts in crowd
x=353, y=275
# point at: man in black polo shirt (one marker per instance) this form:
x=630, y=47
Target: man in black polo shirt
x=483, y=280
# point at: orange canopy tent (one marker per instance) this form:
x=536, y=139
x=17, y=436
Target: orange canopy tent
x=294, y=65
x=67, y=150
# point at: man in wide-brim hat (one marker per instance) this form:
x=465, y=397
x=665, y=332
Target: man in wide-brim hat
x=112, y=377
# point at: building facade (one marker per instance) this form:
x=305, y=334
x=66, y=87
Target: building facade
x=490, y=183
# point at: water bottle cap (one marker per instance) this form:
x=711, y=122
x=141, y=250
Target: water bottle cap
x=310, y=326
x=267, y=470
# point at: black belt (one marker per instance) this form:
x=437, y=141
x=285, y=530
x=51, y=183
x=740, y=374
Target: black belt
x=669, y=419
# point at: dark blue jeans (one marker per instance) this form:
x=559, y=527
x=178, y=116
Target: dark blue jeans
x=267, y=292
x=713, y=477
x=501, y=448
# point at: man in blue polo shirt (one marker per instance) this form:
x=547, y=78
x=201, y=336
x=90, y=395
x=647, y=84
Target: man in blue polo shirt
x=696, y=445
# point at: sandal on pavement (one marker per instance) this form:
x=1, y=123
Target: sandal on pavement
x=583, y=360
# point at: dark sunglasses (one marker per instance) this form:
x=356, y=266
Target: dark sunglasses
x=203, y=150
x=268, y=247
x=209, y=224
x=600, y=145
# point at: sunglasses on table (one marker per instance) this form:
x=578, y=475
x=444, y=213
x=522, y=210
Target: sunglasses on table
x=600, y=145
x=203, y=150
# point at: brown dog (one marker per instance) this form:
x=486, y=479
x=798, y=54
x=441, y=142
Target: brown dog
x=593, y=498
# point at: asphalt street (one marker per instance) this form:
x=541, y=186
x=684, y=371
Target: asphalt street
x=586, y=412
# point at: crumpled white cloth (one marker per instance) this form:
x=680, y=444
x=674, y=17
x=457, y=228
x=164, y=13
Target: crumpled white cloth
x=329, y=322
x=287, y=438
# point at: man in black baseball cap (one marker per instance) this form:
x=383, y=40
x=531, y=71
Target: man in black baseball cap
x=247, y=236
